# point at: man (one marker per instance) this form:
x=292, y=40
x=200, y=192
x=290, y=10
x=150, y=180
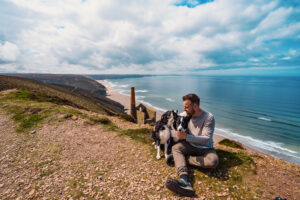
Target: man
x=195, y=147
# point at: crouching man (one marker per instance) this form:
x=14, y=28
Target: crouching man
x=196, y=146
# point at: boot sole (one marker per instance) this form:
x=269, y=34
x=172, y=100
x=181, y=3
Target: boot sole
x=172, y=185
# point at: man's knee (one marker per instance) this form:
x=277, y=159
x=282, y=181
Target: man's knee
x=179, y=147
x=211, y=160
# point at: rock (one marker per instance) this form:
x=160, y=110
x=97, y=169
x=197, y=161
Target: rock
x=223, y=194
x=74, y=117
x=235, y=187
x=31, y=193
x=33, y=132
x=1, y=185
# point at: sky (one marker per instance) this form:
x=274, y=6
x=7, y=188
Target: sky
x=219, y=37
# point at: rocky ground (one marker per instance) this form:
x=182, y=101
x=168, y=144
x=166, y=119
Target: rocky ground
x=70, y=157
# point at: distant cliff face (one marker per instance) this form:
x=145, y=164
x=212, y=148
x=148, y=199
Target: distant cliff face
x=78, y=90
x=72, y=81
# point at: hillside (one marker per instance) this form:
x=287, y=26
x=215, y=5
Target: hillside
x=70, y=95
x=71, y=81
x=49, y=150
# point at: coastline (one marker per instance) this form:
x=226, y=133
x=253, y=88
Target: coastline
x=125, y=101
x=217, y=137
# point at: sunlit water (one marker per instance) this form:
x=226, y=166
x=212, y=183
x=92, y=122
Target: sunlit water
x=263, y=112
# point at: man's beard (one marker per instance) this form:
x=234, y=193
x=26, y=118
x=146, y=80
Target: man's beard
x=190, y=113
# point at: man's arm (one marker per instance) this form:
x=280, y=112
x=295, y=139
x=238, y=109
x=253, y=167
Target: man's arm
x=207, y=132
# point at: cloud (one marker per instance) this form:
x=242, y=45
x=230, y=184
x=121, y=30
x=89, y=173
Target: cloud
x=147, y=37
x=8, y=52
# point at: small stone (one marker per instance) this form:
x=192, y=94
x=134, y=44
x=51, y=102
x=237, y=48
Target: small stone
x=235, y=187
x=157, y=188
x=1, y=185
x=100, y=177
x=33, y=132
x=74, y=117
x=223, y=194
x=31, y=193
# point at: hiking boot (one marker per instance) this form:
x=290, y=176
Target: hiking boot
x=180, y=187
x=170, y=161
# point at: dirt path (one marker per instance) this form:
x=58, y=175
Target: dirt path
x=75, y=159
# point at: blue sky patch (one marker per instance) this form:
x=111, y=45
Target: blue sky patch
x=191, y=3
x=60, y=27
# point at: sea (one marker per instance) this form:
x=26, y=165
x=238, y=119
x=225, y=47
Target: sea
x=260, y=112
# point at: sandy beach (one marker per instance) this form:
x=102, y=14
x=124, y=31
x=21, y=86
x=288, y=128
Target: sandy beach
x=125, y=101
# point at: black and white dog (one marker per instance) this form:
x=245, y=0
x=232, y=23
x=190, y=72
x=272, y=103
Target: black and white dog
x=165, y=130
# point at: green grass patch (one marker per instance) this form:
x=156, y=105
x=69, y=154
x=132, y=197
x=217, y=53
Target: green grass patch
x=26, y=121
x=29, y=122
x=23, y=95
x=38, y=97
x=44, y=163
x=141, y=135
x=231, y=143
x=126, y=117
x=46, y=172
x=105, y=122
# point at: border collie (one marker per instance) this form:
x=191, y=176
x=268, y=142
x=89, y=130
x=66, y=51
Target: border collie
x=165, y=130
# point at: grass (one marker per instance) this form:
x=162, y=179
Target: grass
x=28, y=110
x=126, y=117
x=105, y=122
x=231, y=143
x=142, y=135
x=25, y=119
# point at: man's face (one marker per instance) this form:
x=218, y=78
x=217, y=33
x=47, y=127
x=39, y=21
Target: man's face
x=188, y=107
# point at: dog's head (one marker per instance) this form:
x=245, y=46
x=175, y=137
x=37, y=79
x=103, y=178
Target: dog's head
x=169, y=118
x=172, y=118
x=182, y=122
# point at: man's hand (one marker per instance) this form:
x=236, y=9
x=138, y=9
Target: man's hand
x=181, y=134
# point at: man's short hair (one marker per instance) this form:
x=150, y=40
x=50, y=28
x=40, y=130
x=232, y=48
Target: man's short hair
x=193, y=98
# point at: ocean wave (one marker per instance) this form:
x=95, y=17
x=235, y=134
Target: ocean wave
x=140, y=97
x=123, y=86
x=111, y=84
x=141, y=91
x=270, y=146
x=124, y=92
x=169, y=99
x=265, y=119
x=116, y=85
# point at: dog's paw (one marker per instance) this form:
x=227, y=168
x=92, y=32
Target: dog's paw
x=158, y=157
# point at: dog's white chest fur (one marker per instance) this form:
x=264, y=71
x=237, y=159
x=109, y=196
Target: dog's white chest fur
x=164, y=135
